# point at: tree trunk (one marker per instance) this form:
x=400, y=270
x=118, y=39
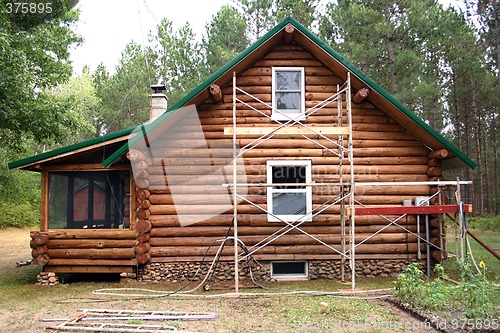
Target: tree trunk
x=479, y=155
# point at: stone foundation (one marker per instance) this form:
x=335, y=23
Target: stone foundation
x=318, y=269
x=47, y=279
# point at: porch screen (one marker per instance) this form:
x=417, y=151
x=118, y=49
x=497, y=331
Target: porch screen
x=88, y=200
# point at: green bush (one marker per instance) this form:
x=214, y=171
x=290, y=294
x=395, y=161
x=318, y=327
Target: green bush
x=17, y=215
x=474, y=296
x=484, y=223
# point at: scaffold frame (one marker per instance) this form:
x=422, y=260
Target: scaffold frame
x=349, y=206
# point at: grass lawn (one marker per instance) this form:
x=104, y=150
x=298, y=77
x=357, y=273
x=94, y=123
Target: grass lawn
x=491, y=238
x=23, y=304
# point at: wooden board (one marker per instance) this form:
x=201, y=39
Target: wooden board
x=417, y=210
x=287, y=130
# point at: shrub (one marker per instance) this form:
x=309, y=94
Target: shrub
x=17, y=215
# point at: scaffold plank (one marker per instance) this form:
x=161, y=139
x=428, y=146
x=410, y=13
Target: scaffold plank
x=411, y=210
x=324, y=130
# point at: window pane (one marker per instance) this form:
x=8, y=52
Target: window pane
x=289, y=203
x=88, y=199
x=81, y=199
x=99, y=209
x=287, y=80
x=289, y=174
x=289, y=268
x=58, y=201
x=288, y=101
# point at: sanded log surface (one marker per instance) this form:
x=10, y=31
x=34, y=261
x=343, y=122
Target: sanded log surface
x=182, y=207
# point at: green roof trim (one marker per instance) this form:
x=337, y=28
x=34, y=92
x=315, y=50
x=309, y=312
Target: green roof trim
x=144, y=129
x=325, y=47
x=68, y=149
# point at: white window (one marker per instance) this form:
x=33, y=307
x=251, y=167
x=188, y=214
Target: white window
x=288, y=93
x=289, y=270
x=290, y=201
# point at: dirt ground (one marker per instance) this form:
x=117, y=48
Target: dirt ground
x=23, y=304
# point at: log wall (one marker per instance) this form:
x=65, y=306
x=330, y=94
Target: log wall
x=185, y=208
x=84, y=251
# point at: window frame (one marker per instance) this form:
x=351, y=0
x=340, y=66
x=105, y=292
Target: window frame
x=93, y=176
x=281, y=277
x=297, y=116
x=307, y=190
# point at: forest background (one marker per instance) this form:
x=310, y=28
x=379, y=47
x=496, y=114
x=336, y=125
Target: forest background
x=441, y=62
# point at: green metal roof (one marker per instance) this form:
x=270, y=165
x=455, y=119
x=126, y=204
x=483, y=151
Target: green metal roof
x=148, y=127
x=325, y=47
x=70, y=148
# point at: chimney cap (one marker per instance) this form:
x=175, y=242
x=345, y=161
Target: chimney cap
x=158, y=88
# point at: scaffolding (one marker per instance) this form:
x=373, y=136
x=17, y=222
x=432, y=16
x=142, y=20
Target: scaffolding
x=294, y=126
x=349, y=206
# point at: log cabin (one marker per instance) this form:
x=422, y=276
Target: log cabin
x=282, y=152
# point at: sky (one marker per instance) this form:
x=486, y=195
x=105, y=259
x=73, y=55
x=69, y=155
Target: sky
x=107, y=26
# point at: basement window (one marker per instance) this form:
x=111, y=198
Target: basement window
x=289, y=270
x=288, y=93
x=291, y=200
x=88, y=200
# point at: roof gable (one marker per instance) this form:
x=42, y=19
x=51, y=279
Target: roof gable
x=331, y=59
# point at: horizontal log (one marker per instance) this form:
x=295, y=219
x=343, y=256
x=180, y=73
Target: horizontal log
x=142, y=194
x=141, y=183
x=286, y=55
x=39, y=238
x=143, y=258
x=91, y=234
x=297, y=152
x=285, y=63
x=139, y=165
x=438, y=255
x=257, y=165
x=250, y=107
x=41, y=249
x=265, y=71
x=89, y=269
x=143, y=237
x=141, y=174
x=291, y=257
x=142, y=247
x=135, y=155
x=287, y=131
x=142, y=226
x=357, y=135
x=243, y=231
x=360, y=95
x=93, y=262
x=176, y=251
x=41, y=260
x=258, y=220
x=287, y=35
x=434, y=172
x=143, y=204
x=143, y=214
x=286, y=240
x=441, y=153
x=215, y=92
x=434, y=162
x=320, y=198
x=90, y=243
x=112, y=253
